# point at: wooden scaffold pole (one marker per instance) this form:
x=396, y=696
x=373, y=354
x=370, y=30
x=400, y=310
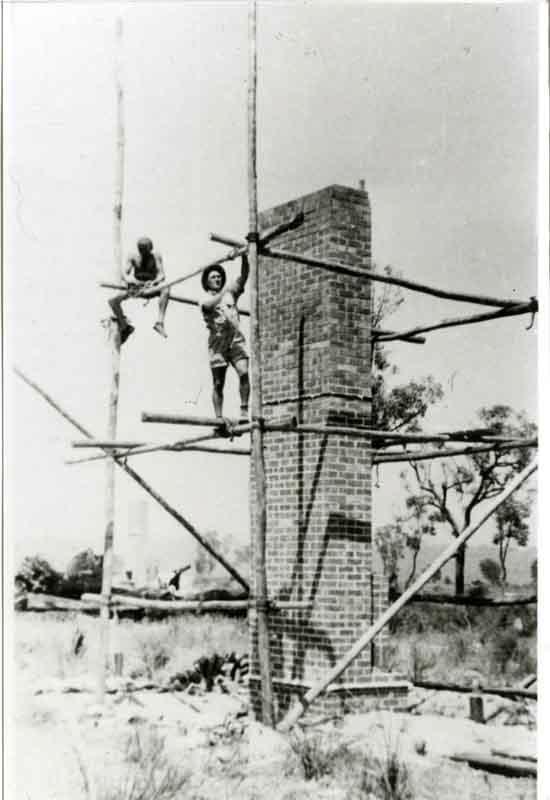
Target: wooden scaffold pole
x=258, y=465
x=107, y=577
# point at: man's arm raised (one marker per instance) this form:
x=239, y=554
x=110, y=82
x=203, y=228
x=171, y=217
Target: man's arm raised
x=240, y=282
x=245, y=269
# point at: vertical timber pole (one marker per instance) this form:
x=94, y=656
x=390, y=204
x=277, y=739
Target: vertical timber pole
x=256, y=379
x=107, y=577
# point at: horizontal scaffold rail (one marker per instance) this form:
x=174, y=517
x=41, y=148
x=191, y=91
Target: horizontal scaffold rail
x=190, y=301
x=214, y=422
x=290, y=425
x=397, y=458
x=176, y=447
x=386, y=458
x=207, y=448
x=176, y=298
x=521, y=308
x=107, y=444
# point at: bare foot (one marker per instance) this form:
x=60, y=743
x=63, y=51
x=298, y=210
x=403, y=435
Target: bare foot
x=159, y=328
x=126, y=332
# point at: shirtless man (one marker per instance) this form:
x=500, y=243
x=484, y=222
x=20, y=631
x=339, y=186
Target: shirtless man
x=226, y=343
x=144, y=271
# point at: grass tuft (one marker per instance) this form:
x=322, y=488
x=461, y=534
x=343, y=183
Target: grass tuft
x=318, y=754
x=148, y=773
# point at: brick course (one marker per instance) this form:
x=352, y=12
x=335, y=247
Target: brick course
x=316, y=355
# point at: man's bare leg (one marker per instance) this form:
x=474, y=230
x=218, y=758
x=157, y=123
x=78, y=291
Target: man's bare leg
x=241, y=368
x=163, y=304
x=218, y=383
x=123, y=323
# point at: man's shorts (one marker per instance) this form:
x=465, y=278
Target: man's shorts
x=222, y=353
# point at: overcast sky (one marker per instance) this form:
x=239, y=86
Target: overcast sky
x=434, y=106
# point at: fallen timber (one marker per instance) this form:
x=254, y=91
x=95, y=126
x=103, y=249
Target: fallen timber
x=333, y=674
x=511, y=767
x=144, y=485
x=480, y=602
x=191, y=605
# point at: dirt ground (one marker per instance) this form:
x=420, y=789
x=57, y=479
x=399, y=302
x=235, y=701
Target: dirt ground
x=68, y=748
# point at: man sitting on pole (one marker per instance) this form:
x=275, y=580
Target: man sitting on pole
x=226, y=343
x=144, y=271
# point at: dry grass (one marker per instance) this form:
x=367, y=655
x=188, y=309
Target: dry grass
x=319, y=755
x=65, y=645
x=501, y=657
x=148, y=773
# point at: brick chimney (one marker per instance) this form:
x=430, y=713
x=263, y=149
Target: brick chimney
x=316, y=363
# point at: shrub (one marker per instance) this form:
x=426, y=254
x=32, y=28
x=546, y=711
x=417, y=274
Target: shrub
x=36, y=575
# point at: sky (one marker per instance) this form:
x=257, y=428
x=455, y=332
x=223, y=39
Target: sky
x=434, y=106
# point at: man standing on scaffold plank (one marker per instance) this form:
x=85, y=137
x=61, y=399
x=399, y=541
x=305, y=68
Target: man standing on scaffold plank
x=226, y=343
x=144, y=271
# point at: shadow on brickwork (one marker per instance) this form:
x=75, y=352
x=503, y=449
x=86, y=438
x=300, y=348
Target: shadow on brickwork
x=299, y=626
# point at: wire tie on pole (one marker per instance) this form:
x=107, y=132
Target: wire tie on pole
x=533, y=312
x=253, y=236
